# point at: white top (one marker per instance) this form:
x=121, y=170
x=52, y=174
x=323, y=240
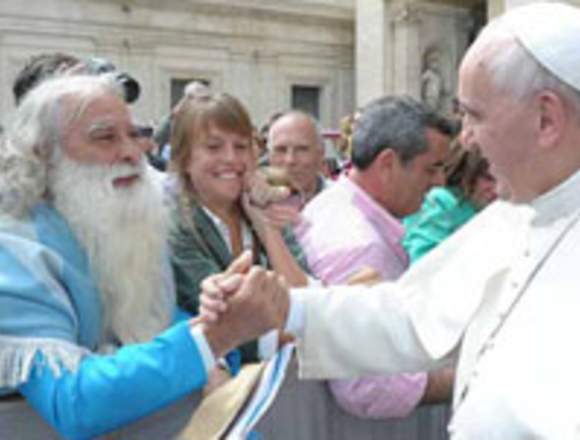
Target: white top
x=501, y=295
x=222, y=227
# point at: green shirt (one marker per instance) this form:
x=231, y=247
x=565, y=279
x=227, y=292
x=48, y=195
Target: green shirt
x=443, y=212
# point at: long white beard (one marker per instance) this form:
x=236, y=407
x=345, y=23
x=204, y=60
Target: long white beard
x=124, y=231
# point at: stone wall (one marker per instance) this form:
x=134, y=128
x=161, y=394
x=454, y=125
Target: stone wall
x=256, y=50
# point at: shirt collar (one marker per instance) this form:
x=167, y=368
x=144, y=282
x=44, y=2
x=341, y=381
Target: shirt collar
x=392, y=226
x=559, y=202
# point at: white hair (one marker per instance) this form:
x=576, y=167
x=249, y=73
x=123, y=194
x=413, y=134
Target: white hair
x=35, y=132
x=123, y=230
x=515, y=71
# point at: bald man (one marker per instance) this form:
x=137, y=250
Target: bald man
x=295, y=144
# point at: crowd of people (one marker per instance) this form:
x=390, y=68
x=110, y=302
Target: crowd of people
x=138, y=267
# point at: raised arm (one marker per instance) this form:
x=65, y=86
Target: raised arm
x=269, y=222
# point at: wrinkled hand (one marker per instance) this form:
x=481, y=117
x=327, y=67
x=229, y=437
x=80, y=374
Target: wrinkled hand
x=276, y=215
x=263, y=190
x=245, y=307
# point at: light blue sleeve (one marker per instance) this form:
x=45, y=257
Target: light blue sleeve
x=107, y=392
x=49, y=325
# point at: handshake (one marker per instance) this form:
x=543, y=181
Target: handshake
x=241, y=304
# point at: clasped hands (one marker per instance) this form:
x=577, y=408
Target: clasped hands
x=241, y=304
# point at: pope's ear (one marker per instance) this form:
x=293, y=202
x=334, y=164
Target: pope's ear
x=553, y=115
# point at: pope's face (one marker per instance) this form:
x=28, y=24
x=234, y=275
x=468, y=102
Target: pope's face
x=104, y=134
x=499, y=123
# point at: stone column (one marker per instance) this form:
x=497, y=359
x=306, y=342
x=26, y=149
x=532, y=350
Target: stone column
x=404, y=20
x=371, y=49
x=387, y=48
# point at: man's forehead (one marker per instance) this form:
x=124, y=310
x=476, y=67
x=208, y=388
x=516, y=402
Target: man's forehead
x=490, y=44
x=100, y=112
x=104, y=123
x=473, y=84
x=292, y=136
x=294, y=122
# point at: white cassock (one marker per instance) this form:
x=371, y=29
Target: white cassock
x=501, y=297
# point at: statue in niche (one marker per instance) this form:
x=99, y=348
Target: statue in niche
x=432, y=83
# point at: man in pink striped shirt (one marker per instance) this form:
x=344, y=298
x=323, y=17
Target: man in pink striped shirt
x=397, y=155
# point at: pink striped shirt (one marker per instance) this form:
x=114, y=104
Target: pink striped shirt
x=342, y=231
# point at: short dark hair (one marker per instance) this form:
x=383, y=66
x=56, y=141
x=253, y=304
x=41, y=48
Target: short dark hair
x=398, y=123
x=39, y=68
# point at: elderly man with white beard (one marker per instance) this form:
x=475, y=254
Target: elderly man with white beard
x=87, y=306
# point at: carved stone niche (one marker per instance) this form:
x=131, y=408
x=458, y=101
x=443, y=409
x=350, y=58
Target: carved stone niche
x=433, y=88
x=443, y=39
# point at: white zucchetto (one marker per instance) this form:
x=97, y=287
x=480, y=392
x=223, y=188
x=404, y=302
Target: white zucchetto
x=550, y=32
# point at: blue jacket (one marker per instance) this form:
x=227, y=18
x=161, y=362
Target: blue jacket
x=50, y=324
